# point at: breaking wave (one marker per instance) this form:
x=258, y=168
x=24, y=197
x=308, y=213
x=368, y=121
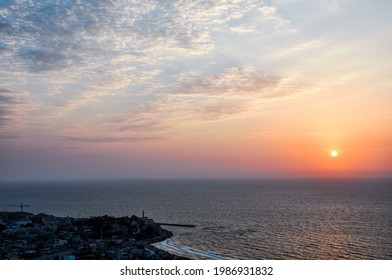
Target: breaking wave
x=169, y=246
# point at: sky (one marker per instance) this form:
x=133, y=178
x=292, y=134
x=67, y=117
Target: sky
x=195, y=89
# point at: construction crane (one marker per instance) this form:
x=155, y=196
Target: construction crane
x=20, y=205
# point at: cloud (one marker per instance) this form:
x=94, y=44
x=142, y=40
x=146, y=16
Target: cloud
x=244, y=29
x=233, y=93
x=110, y=139
x=43, y=60
x=9, y=101
x=6, y=117
x=142, y=125
x=72, y=55
x=170, y=114
x=234, y=82
x=111, y=47
x=56, y=34
x=6, y=98
x=10, y=137
x=219, y=112
x=49, y=35
x=105, y=47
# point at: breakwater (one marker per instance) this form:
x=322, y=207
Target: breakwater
x=176, y=225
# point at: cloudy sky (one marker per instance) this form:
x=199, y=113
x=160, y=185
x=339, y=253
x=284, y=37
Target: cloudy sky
x=195, y=89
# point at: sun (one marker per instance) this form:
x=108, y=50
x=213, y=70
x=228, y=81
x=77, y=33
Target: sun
x=334, y=154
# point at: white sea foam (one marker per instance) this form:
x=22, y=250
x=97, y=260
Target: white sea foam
x=169, y=246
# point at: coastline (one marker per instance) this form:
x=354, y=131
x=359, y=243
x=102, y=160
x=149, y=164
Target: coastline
x=169, y=246
x=26, y=236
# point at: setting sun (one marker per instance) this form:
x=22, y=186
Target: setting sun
x=334, y=154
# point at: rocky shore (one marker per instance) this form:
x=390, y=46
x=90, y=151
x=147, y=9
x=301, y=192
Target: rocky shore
x=46, y=237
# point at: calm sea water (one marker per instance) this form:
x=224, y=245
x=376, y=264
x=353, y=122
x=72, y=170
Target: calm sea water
x=240, y=219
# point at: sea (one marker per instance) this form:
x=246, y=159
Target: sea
x=234, y=219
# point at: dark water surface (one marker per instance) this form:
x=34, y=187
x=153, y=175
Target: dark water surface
x=241, y=219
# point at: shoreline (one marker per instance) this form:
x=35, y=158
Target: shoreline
x=169, y=246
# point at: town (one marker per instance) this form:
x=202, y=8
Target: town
x=45, y=237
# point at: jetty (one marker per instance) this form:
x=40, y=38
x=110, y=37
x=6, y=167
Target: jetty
x=176, y=225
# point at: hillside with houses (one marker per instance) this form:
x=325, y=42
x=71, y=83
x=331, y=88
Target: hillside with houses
x=46, y=237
